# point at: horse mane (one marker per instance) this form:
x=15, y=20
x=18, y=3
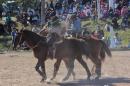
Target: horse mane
x=33, y=36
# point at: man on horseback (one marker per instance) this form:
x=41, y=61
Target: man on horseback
x=55, y=26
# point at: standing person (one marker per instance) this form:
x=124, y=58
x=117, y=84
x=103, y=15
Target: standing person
x=13, y=34
x=124, y=11
x=111, y=12
x=76, y=22
x=115, y=23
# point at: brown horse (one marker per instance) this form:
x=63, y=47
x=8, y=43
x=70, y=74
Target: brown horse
x=98, y=48
x=40, y=48
x=71, y=49
x=68, y=50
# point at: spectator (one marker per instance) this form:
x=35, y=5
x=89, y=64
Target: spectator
x=114, y=23
x=111, y=12
x=94, y=15
x=13, y=34
x=125, y=21
x=117, y=39
x=124, y=11
x=85, y=33
x=87, y=11
x=58, y=8
x=100, y=33
x=76, y=30
x=117, y=13
x=24, y=19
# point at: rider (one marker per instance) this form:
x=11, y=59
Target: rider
x=94, y=35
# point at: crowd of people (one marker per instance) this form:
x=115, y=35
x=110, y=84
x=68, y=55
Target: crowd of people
x=88, y=8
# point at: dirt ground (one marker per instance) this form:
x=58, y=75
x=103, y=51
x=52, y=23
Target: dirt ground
x=18, y=69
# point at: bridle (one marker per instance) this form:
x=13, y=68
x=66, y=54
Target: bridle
x=32, y=47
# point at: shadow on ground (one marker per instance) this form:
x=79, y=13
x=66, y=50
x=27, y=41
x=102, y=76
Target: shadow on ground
x=101, y=82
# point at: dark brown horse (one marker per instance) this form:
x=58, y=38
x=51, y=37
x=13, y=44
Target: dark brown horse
x=68, y=50
x=71, y=49
x=40, y=49
x=39, y=46
x=98, y=48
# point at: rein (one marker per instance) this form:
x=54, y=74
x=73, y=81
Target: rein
x=35, y=45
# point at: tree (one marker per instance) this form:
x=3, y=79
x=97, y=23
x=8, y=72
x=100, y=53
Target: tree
x=1, y=1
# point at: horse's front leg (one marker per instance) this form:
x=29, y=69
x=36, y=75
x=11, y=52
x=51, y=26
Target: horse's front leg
x=56, y=68
x=37, y=67
x=98, y=65
x=44, y=77
x=70, y=68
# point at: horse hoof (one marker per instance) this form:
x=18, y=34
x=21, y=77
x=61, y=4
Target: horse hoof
x=43, y=80
x=48, y=81
x=88, y=78
x=65, y=79
x=96, y=78
x=74, y=78
x=52, y=78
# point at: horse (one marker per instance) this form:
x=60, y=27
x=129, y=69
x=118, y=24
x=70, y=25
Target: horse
x=68, y=50
x=98, y=48
x=93, y=49
x=40, y=47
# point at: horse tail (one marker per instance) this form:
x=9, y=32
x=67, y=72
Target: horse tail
x=105, y=49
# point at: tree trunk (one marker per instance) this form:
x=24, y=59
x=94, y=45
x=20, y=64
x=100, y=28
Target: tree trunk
x=42, y=12
x=98, y=9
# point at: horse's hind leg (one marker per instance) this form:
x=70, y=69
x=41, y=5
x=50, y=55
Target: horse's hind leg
x=98, y=69
x=70, y=68
x=56, y=68
x=82, y=62
x=98, y=64
x=67, y=66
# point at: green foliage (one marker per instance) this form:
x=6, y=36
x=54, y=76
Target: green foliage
x=1, y=1
x=26, y=3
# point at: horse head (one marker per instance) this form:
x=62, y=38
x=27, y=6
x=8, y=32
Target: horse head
x=19, y=39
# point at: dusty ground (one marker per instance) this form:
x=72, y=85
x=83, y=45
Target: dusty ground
x=17, y=69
